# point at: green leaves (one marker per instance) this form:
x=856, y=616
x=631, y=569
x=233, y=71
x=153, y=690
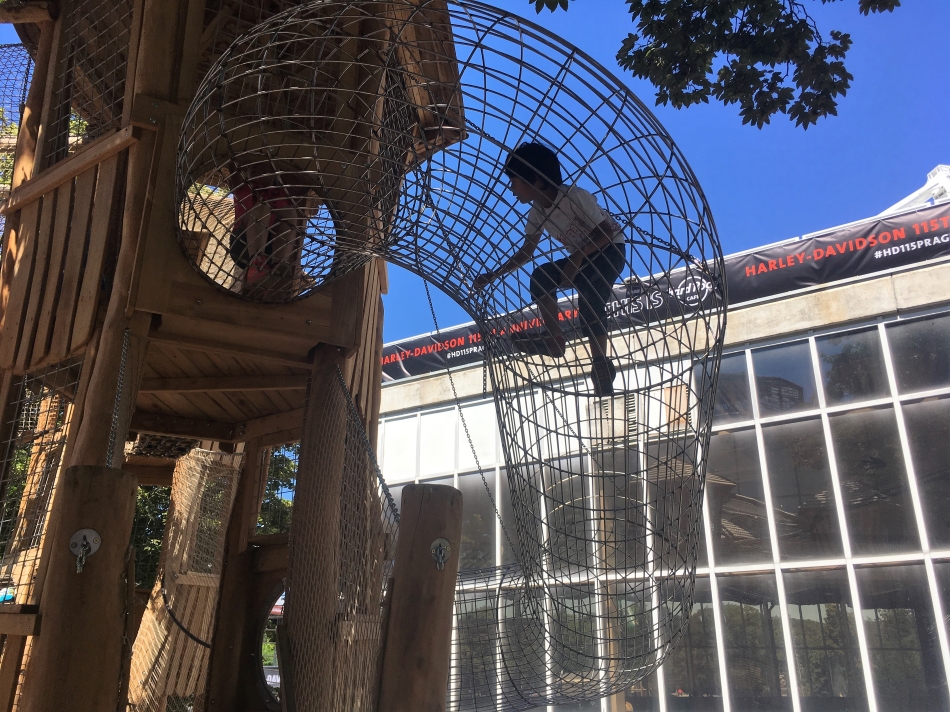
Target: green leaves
x=767, y=56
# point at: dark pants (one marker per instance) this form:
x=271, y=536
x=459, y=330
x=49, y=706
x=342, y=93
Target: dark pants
x=594, y=284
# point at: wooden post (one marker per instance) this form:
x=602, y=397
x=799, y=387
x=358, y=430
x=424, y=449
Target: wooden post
x=225, y=661
x=418, y=644
x=75, y=663
x=313, y=588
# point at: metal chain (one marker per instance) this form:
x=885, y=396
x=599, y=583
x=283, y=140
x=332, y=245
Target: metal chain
x=119, y=388
x=468, y=436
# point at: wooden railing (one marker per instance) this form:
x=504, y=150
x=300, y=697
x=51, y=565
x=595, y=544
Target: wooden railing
x=59, y=249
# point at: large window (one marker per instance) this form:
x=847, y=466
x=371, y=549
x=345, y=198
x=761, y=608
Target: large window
x=829, y=458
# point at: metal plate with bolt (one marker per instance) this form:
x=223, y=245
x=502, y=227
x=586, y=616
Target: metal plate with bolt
x=83, y=544
x=440, y=550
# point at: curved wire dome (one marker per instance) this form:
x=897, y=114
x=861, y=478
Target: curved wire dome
x=338, y=131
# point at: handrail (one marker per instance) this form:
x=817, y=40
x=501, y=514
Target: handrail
x=67, y=169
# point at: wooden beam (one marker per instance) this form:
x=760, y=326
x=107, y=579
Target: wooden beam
x=19, y=624
x=21, y=13
x=214, y=384
x=270, y=553
x=149, y=475
x=206, y=346
x=96, y=152
x=164, y=424
x=279, y=422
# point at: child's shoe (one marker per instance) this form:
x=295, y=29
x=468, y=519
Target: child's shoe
x=602, y=376
x=543, y=344
x=257, y=270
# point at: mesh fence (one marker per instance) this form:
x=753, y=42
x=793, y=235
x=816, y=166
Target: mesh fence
x=33, y=455
x=16, y=72
x=278, y=502
x=89, y=84
x=170, y=655
x=334, y=604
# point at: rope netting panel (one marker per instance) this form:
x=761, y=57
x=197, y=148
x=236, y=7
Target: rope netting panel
x=170, y=654
x=336, y=132
x=334, y=612
x=33, y=448
x=89, y=81
x=16, y=72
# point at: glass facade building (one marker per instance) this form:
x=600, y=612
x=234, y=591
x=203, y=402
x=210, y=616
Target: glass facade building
x=824, y=577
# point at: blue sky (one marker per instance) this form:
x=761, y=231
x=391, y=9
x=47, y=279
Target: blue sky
x=778, y=182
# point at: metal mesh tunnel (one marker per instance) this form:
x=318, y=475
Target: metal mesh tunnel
x=337, y=132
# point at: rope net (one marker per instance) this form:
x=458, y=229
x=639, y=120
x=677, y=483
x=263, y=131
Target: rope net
x=334, y=612
x=336, y=132
x=170, y=654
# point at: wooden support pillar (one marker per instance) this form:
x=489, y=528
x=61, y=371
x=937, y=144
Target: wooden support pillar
x=228, y=645
x=75, y=664
x=418, y=644
x=311, y=616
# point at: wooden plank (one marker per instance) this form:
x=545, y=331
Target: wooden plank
x=273, y=557
x=224, y=383
x=98, y=151
x=13, y=649
x=149, y=475
x=261, y=427
x=19, y=624
x=44, y=236
x=189, y=342
x=75, y=249
x=163, y=424
x=19, y=285
x=98, y=236
x=44, y=327
x=21, y=13
x=135, y=40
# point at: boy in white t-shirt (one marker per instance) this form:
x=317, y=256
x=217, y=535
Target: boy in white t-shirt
x=595, y=243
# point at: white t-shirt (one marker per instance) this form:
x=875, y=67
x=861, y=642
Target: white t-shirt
x=571, y=219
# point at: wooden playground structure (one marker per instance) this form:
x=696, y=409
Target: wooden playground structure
x=109, y=333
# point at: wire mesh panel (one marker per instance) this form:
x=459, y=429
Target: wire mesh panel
x=16, y=72
x=170, y=655
x=89, y=84
x=33, y=456
x=334, y=604
x=278, y=502
x=335, y=132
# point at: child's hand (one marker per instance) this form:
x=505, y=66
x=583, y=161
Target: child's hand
x=482, y=281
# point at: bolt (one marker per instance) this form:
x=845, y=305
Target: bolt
x=153, y=120
x=198, y=302
x=309, y=322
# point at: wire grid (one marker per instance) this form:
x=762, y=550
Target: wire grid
x=151, y=510
x=91, y=67
x=170, y=654
x=334, y=608
x=606, y=463
x=16, y=72
x=278, y=502
x=33, y=455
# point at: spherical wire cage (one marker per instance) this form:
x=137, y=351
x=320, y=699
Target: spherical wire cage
x=338, y=132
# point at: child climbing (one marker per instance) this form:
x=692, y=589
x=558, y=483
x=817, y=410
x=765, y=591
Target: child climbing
x=268, y=229
x=595, y=245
